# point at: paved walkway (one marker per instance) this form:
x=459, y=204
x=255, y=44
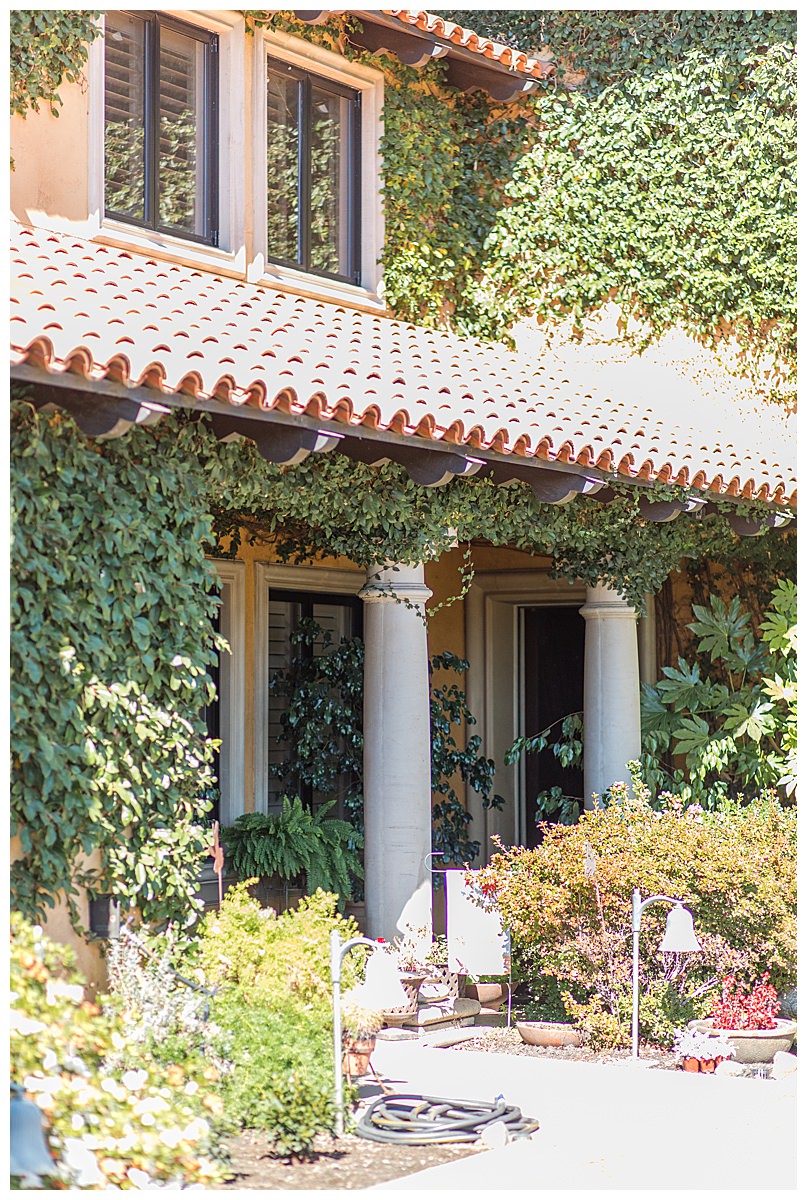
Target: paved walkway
x=621, y=1126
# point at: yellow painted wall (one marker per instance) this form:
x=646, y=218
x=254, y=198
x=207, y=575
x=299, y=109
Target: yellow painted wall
x=51, y=161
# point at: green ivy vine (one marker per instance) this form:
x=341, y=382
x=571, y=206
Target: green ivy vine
x=47, y=47
x=331, y=505
x=110, y=648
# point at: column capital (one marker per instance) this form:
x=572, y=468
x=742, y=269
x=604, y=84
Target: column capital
x=395, y=581
x=603, y=601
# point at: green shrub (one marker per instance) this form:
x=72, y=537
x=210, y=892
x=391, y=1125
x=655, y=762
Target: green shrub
x=108, y=1126
x=273, y=1008
x=734, y=722
x=281, y=1076
x=284, y=960
x=567, y=903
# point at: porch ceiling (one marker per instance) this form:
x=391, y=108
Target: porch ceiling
x=131, y=336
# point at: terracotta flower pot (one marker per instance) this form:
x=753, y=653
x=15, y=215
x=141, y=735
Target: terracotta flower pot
x=548, y=1033
x=691, y=1064
x=356, y=1056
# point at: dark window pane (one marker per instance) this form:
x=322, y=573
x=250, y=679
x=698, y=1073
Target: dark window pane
x=181, y=155
x=330, y=235
x=124, y=116
x=282, y=166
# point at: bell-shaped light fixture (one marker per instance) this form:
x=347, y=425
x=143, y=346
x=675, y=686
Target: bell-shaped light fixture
x=382, y=988
x=28, y=1149
x=679, y=936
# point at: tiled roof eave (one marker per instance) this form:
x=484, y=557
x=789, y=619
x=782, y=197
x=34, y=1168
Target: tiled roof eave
x=100, y=320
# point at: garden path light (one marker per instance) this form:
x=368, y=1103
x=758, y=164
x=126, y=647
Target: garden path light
x=679, y=938
x=381, y=990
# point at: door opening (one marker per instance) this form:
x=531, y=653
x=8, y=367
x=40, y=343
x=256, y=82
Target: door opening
x=553, y=641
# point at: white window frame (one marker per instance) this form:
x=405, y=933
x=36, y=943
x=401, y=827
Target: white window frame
x=230, y=256
x=370, y=83
x=338, y=581
x=232, y=688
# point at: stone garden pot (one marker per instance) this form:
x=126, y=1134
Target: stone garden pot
x=753, y=1045
x=548, y=1033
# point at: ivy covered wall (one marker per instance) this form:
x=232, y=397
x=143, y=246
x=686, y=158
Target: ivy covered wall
x=550, y=206
x=111, y=641
x=656, y=170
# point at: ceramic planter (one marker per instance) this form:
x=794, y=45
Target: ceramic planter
x=410, y=982
x=753, y=1045
x=706, y=1065
x=548, y=1033
x=448, y=979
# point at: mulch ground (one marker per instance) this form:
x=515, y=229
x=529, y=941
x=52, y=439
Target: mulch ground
x=346, y=1163
x=350, y=1162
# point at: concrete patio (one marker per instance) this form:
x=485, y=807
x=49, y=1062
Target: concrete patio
x=605, y=1126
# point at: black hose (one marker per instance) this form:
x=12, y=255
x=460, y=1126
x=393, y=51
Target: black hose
x=425, y=1120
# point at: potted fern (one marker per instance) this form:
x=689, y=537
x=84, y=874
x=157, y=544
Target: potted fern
x=298, y=848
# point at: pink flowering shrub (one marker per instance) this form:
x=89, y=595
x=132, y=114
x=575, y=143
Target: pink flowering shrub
x=739, y=1009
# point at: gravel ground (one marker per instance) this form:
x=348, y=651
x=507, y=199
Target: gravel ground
x=508, y=1041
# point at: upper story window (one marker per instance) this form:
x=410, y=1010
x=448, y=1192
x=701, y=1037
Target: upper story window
x=161, y=125
x=313, y=171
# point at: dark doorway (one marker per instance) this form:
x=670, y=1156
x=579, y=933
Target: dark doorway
x=554, y=644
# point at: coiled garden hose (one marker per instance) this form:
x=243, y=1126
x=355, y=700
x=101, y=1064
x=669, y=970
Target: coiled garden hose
x=426, y=1120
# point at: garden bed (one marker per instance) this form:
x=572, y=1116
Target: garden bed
x=346, y=1163
x=508, y=1041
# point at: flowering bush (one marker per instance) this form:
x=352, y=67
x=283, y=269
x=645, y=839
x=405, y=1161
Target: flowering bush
x=567, y=905
x=692, y=1043
x=107, y=1128
x=738, y=1009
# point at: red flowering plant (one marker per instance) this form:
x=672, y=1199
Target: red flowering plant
x=738, y=1009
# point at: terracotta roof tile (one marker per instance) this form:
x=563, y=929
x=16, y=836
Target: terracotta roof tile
x=516, y=60
x=143, y=322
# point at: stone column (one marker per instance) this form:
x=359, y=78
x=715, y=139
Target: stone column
x=397, y=752
x=611, y=720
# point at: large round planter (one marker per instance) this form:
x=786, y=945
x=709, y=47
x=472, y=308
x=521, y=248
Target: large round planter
x=753, y=1045
x=548, y=1033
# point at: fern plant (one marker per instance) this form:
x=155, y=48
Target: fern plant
x=296, y=843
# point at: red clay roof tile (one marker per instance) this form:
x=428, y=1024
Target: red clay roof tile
x=241, y=343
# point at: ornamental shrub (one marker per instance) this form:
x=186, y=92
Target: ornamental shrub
x=567, y=904
x=737, y=1008
x=107, y=1126
x=273, y=1007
